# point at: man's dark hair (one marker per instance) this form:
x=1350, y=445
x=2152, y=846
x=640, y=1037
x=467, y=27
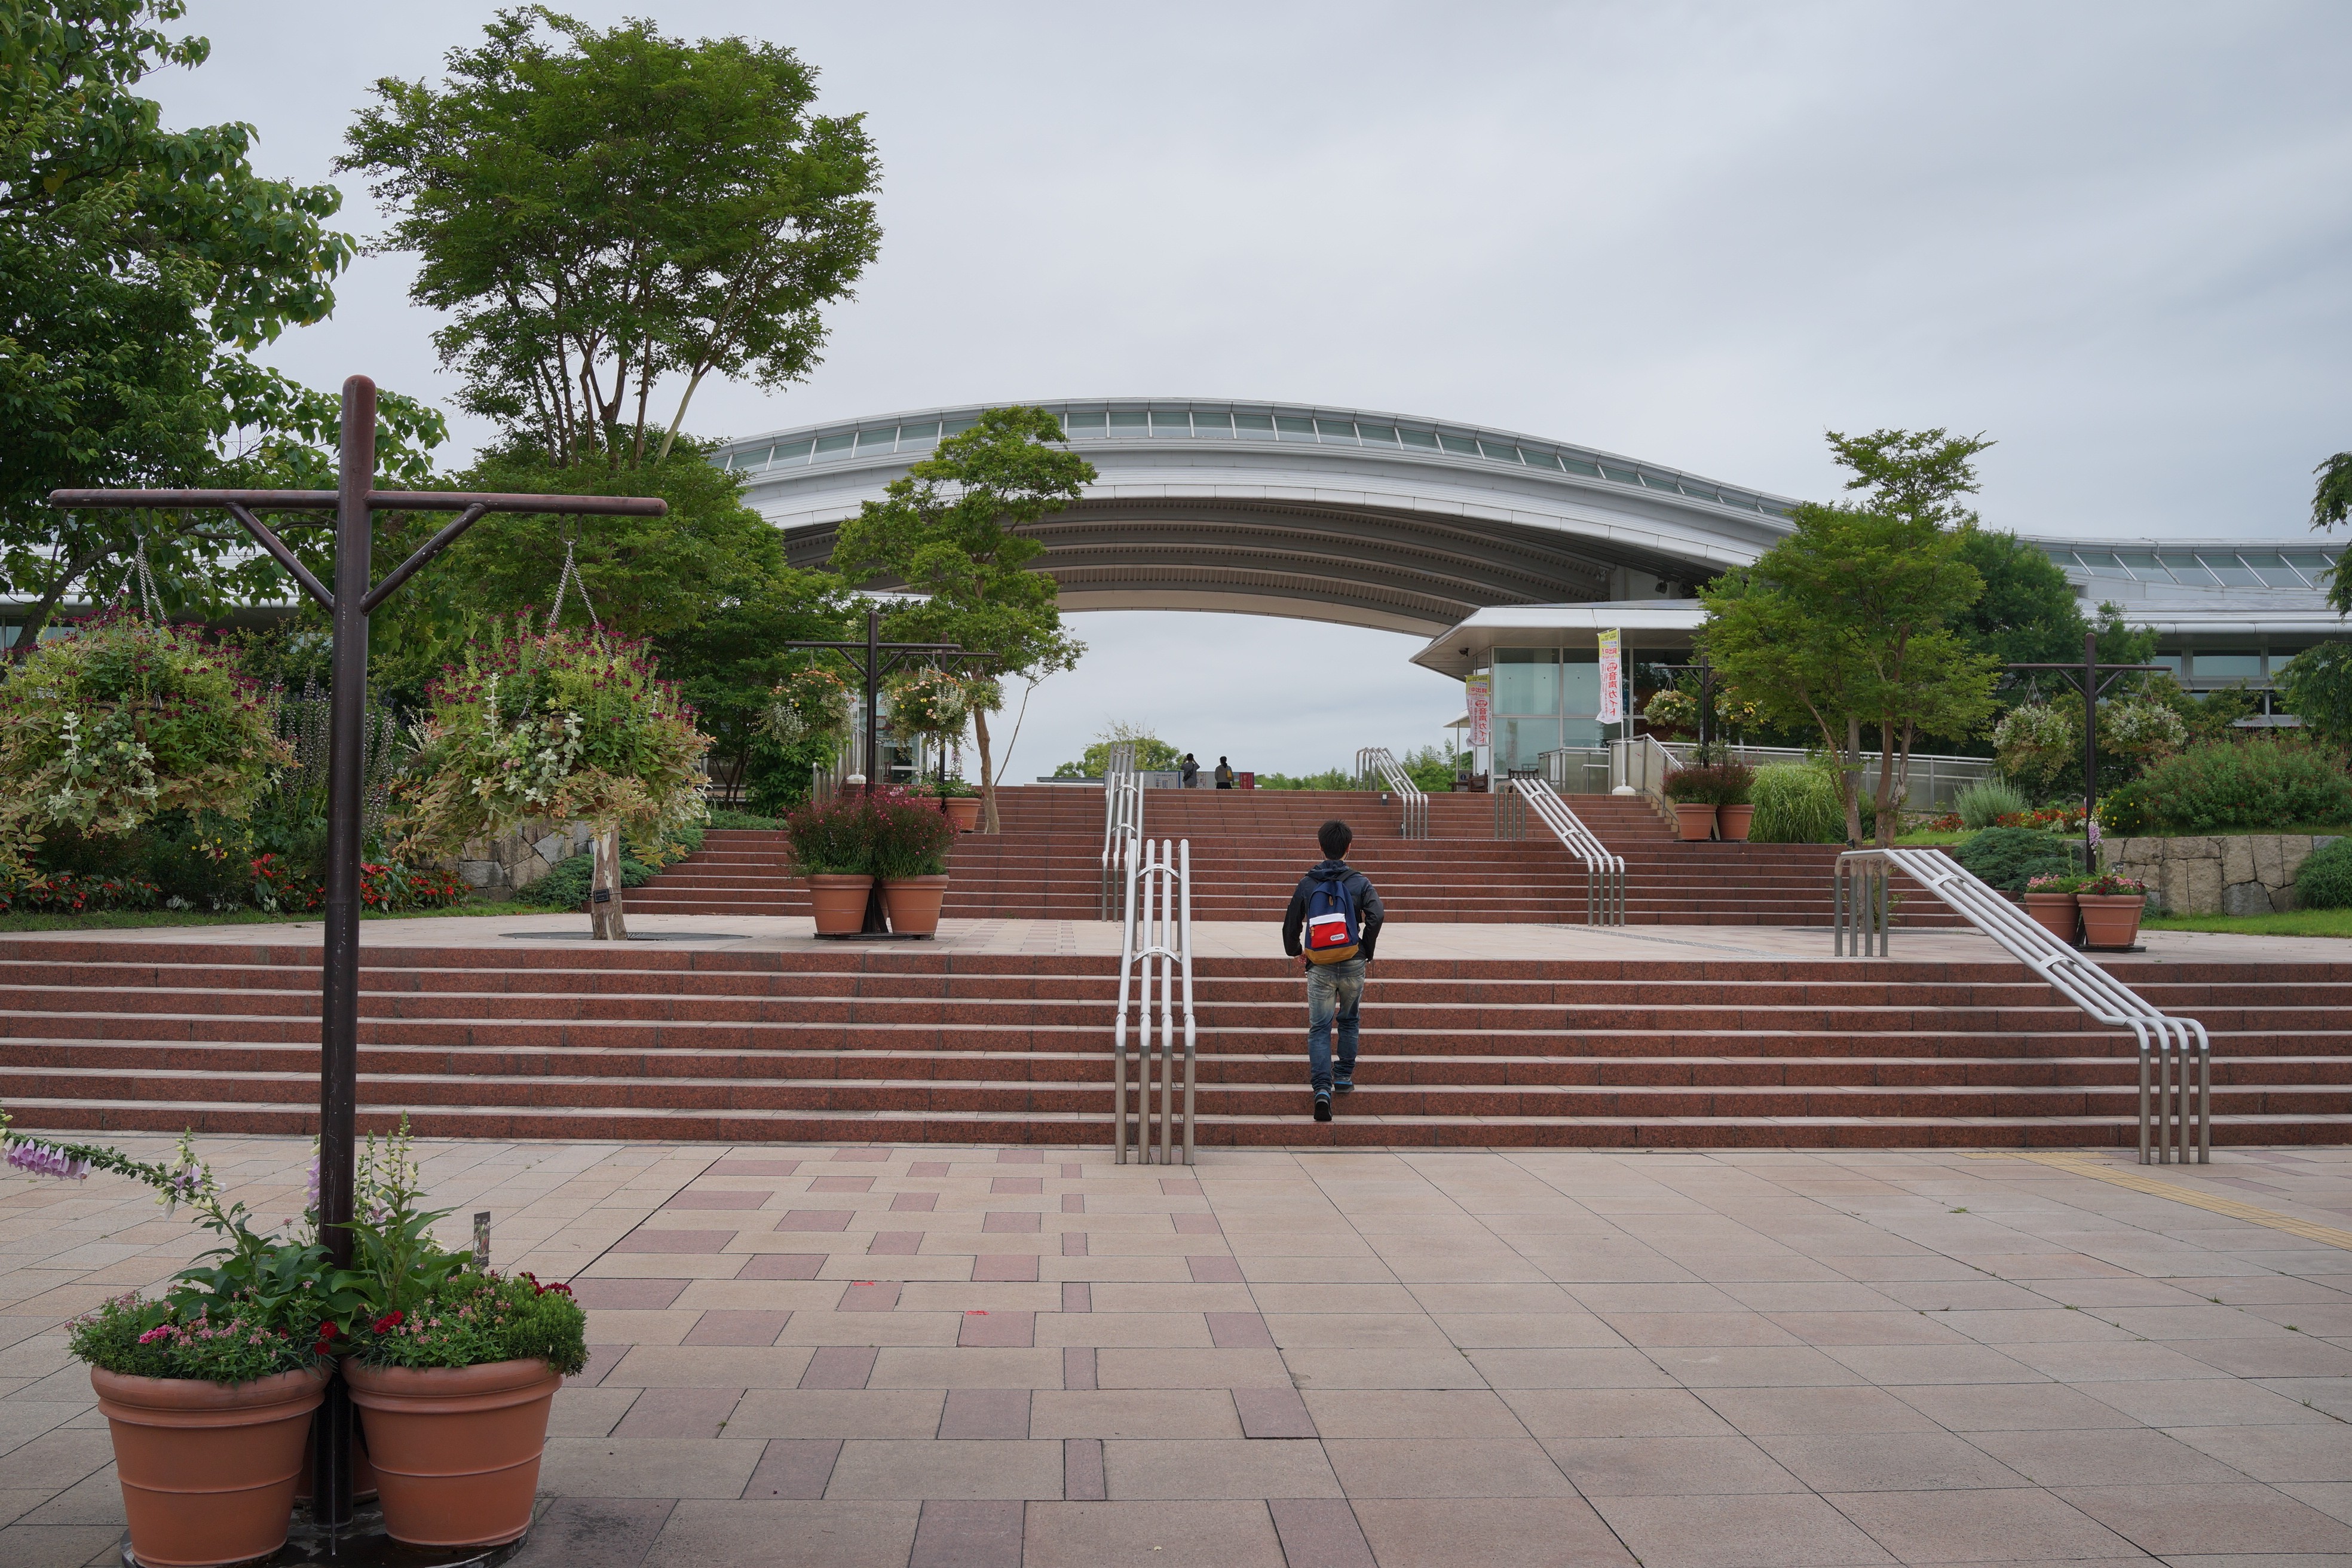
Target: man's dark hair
x=1334, y=837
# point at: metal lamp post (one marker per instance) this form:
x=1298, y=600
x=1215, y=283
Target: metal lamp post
x=2091, y=677
x=350, y=602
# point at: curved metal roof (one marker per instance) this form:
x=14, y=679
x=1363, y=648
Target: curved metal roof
x=1326, y=513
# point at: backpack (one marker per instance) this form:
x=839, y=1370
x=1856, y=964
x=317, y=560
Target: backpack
x=1331, y=933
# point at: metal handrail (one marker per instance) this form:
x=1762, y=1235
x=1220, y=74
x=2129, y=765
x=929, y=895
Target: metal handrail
x=1122, y=816
x=1604, y=871
x=1167, y=936
x=1372, y=760
x=2167, y=1044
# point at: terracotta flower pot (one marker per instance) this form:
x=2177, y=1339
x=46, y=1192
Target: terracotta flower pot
x=914, y=903
x=1732, y=821
x=2053, y=911
x=963, y=812
x=207, y=1469
x=455, y=1449
x=1694, y=818
x=840, y=904
x=2110, y=920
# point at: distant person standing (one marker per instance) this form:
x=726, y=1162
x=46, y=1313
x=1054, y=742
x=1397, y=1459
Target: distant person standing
x=1225, y=773
x=1333, y=921
x=1188, y=772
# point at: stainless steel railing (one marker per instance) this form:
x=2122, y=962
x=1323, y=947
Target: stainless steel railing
x=1376, y=762
x=2174, y=1114
x=1158, y=929
x=1122, y=817
x=1604, y=870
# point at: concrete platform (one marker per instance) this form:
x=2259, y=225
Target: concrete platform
x=892, y=1357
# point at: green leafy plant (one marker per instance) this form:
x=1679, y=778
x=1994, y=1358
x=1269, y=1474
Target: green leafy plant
x=2139, y=727
x=1690, y=787
x=2223, y=784
x=911, y=836
x=2055, y=882
x=470, y=1319
x=1983, y=804
x=137, y=1338
x=833, y=837
x=1796, y=803
x=740, y=819
x=121, y=722
x=2323, y=881
x=2010, y=857
x=933, y=702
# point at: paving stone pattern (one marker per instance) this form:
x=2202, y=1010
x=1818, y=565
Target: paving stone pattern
x=1343, y=1359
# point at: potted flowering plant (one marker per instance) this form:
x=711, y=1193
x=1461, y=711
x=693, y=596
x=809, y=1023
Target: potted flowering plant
x=2111, y=907
x=566, y=726
x=1732, y=811
x=1693, y=792
x=122, y=721
x=454, y=1370
x=833, y=848
x=961, y=800
x=2049, y=899
x=208, y=1389
x=808, y=706
x=910, y=856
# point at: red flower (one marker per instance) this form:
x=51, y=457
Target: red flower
x=391, y=1320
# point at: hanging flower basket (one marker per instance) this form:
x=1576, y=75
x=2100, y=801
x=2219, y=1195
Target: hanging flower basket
x=934, y=702
x=126, y=719
x=2141, y=729
x=809, y=706
x=562, y=726
x=2035, y=736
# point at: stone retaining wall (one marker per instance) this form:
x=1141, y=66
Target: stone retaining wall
x=518, y=858
x=2247, y=875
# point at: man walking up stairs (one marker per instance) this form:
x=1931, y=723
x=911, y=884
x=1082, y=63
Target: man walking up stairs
x=1333, y=922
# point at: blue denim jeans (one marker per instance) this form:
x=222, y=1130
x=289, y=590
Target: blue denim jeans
x=1334, y=993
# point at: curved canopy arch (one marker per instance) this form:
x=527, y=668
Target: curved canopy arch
x=1338, y=515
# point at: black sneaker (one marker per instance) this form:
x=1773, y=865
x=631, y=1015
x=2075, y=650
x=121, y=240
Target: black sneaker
x=1322, y=1108
x=1345, y=1085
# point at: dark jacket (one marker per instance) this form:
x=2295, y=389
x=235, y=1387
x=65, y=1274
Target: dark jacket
x=1369, y=912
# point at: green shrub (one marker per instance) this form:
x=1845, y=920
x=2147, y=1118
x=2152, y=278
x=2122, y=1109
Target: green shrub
x=568, y=885
x=152, y=1339
x=833, y=837
x=474, y=1319
x=2009, y=858
x=2324, y=881
x=1980, y=804
x=2225, y=784
x=1795, y=804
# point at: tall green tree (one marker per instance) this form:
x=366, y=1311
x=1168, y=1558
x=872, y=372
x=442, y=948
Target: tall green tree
x=604, y=211
x=2028, y=612
x=951, y=530
x=137, y=266
x=2331, y=503
x=1847, y=623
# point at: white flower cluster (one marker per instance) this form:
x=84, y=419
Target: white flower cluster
x=95, y=766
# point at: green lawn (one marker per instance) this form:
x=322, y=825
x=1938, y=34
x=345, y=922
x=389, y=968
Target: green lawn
x=1929, y=835
x=2295, y=923
x=132, y=919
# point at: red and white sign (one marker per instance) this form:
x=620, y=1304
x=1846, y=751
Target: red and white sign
x=1478, y=690
x=1612, y=679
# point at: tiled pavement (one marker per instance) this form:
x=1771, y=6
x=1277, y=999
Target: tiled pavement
x=983, y=1358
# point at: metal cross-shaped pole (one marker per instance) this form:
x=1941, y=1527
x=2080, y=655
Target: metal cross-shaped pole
x=2093, y=678
x=350, y=602
x=874, y=658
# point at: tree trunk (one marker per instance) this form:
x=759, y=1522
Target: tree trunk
x=604, y=918
x=988, y=819
x=1886, y=797
x=1850, y=770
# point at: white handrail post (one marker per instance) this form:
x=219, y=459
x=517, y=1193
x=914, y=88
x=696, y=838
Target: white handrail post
x=1119, y=1024
x=1184, y=930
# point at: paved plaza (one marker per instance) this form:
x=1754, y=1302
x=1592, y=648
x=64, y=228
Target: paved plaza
x=937, y=1357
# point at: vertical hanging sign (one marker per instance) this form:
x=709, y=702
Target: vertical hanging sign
x=1613, y=676
x=1477, y=690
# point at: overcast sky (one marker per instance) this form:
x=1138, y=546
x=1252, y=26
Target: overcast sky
x=2117, y=239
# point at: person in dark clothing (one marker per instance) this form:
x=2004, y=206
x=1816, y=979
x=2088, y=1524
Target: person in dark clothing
x=1335, y=992
x=1225, y=773
x=1188, y=772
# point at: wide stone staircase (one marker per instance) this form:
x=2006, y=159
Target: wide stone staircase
x=1249, y=848
x=908, y=1045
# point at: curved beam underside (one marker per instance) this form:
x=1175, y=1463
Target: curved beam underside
x=1407, y=573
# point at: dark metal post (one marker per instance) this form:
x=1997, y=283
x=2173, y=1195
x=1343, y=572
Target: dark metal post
x=2090, y=750
x=339, y=1010
x=1705, y=713
x=873, y=693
